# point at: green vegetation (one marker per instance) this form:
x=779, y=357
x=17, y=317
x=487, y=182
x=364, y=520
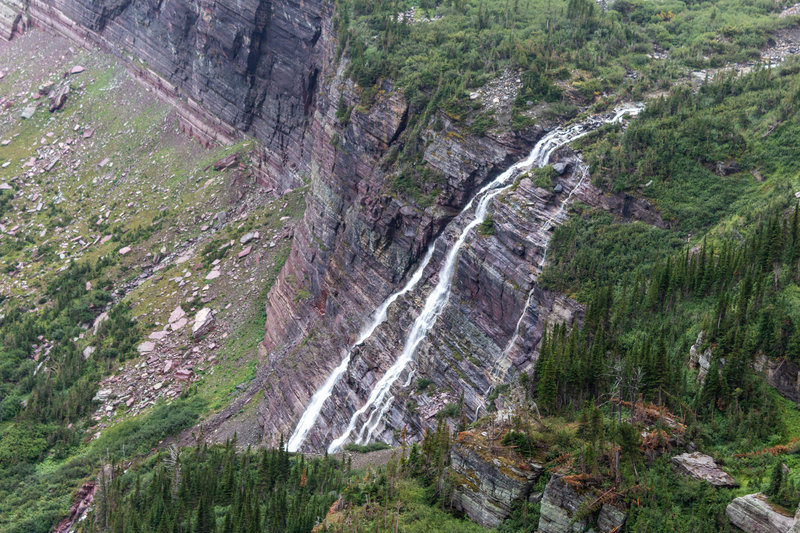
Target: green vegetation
x=214, y=488
x=649, y=296
x=593, y=249
x=721, y=162
x=543, y=177
x=59, y=275
x=365, y=448
x=456, y=46
x=218, y=488
x=33, y=498
x=486, y=227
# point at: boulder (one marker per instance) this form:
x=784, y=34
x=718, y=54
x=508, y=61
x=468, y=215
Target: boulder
x=177, y=314
x=247, y=237
x=702, y=467
x=28, y=112
x=726, y=168
x=203, y=322
x=700, y=359
x=103, y=395
x=226, y=162
x=611, y=518
x=59, y=97
x=754, y=514
x=102, y=317
x=560, y=504
x=146, y=347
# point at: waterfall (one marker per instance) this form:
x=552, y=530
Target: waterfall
x=550, y=222
x=437, y=299
x=311, y=413
x=379, y=399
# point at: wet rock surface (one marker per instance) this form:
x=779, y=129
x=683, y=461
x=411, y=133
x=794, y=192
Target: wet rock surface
x=276, y=75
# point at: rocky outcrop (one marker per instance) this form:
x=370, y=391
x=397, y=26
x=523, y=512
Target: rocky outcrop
x=203, y=322
x=700, y=359
x=488, y=480
x=12, y=18
x=782, y=374
x=565, y=509
x=704, y=468
x=82, y=503
x=754, y=514
x=270, y=69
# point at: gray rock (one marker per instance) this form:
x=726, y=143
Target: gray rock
x=146, y=347
x=488, y=483
x=203, y=322
x=700, y=360
x=702, y=467
x=611, y=518
x=560, y=168
x=221, y=218
x=103, y=395
x=28, y=112
x=59, y=97
x=726, y=168
x=754, y=514
x=45, y=88
x=177, y=314
x=102, y=317
x=247, y=237
x=561, y=505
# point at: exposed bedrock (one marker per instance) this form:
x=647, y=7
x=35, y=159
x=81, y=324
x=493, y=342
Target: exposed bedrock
x=270, y=70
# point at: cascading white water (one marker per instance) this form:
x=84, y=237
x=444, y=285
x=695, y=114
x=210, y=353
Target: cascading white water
x=545, y=228
x=311, y=413
x=620, y=113
x=437, y=299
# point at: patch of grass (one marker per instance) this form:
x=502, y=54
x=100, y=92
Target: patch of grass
x=366, y=448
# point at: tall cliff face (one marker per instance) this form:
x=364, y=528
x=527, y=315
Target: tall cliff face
x=270, y=69
x=358, y=243
x=251, y=66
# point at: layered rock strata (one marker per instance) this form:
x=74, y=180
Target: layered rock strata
x=565, y=509
x=487, y=479
x=753, y=513
x=270, y=70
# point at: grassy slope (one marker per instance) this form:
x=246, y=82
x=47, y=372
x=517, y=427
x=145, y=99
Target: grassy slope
x=159, y=194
